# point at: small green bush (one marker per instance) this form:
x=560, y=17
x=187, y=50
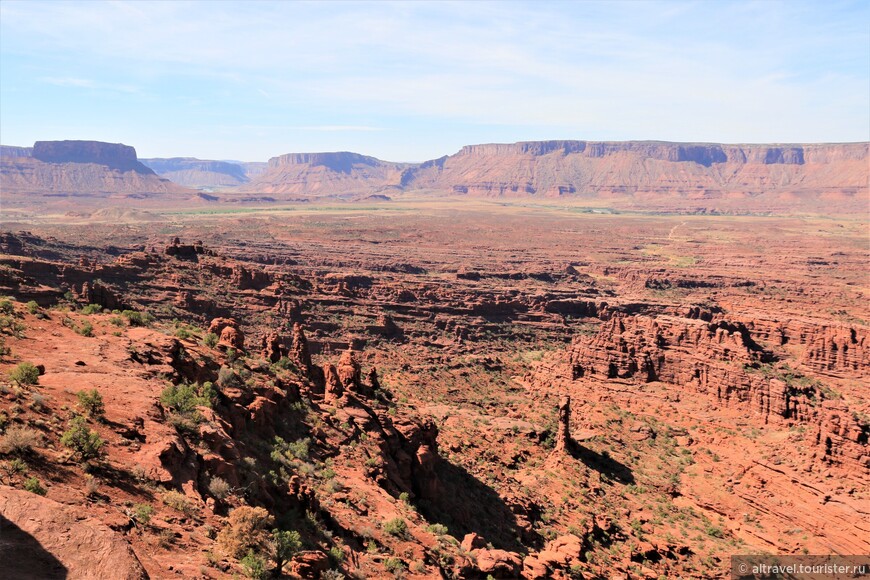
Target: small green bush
x=32, y=307
x=86, y=444
x=396, y=527
x=185, y=398
x=285, y=364
x=142, y=513
x=91, y=403
x=33, y=486
x=394, y=565
x=284, y=545
x=210, y=339
x=9, y=325
x=25, y=374
x=254, y=566
x=437, y=529
x=37, y=401
x=17, y=466
x=298, y=449
x=336, y=555
x=135, y=318
x=6, y=306
x=92, y=309
x=86, y=329
x=227, y=378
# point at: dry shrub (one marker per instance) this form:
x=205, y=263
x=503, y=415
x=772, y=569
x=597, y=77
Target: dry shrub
x=19, y=440
x=219, y=488
x=245, y=530
x=178, y=501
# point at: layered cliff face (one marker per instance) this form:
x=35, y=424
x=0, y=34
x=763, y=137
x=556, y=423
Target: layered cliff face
x=7, y=151
x=694, y=177
x=112, y=155
x=724, y=359
x=81, y=168
x=633, y=173
x=326, y=174
x=192, y=172
x=647, y=170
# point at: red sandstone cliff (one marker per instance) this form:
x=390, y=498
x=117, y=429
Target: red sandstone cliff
x=80, y=168
x=648, y=170
x=326, y=173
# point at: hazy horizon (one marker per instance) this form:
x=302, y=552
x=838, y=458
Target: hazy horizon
x=410, y=82
x=265, y=160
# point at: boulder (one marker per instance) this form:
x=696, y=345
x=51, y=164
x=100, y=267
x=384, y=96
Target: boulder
x=499, y=563
x=472, y=541
x=228, y=331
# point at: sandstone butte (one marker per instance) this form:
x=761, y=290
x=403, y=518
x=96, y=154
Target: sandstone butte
x=433, y=393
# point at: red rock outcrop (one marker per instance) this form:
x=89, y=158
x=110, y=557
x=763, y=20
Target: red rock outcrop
x=413, y=447
x=96, y=293
x=299, y=351
x=563, y=433
x=78, y=547
x=334, y=388
x=349, y=371
x=837, y=351
x=472, y=541
x=721, y=358
x=558, y=556
x=228, y=331
x=498, y=563
x=245, y=278
x=273, y=347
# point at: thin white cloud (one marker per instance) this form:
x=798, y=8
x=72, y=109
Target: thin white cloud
x=340, y=128
x=69, y=82
x=79, y=83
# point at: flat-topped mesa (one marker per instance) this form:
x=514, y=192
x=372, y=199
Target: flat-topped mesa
x=11, y=151
x=192, y=172
x=112, y=155
x=163, y=165
x=705, y=154
x=523, y=148
x=340, y=161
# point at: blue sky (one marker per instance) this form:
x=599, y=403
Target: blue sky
x=410, y=81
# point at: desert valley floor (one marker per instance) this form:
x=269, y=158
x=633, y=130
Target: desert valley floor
x=455, y=388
